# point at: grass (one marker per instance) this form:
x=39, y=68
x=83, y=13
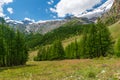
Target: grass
x=115, y=30
x=84, y=69
x=32, y=54
x=68, y=41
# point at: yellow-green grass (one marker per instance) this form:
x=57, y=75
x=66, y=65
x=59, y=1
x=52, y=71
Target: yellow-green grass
x=68, y=41
x=32, y=54
x=65, y=43
x=84, y=69
x=115, y=30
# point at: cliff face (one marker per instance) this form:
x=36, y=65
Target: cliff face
x=115, y=10
x=113, y=15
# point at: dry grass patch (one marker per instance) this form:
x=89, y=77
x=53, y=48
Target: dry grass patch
x=84, y=69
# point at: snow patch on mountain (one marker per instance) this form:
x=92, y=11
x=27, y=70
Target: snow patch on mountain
x=98, y=11
x=8, y=20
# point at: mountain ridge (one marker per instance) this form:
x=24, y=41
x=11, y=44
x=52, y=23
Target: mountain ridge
x=113, y=15
x=30, y=26
x=43, y=27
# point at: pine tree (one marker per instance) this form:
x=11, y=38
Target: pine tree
x=2, y=45
x=91, y=41
x=13, y=50
x=21, y=49
x=54, y=52
x=42, y=54
x=71, y=51
x=84, y=46
x=76, y=49
x=2, y=52
x=67, y=52
x=104, y=40
x=96, y=42
x=58, y=50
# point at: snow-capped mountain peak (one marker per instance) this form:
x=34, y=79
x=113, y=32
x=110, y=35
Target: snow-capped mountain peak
x=8, y=20
x=98, y=11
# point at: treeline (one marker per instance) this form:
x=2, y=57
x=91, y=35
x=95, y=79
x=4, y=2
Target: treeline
x=60, y=33
x=33, y=40
x=13, y=50
x=95, y=42
x=54, y=52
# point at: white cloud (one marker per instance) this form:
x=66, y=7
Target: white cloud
x=28, y=19
x=5, y=1
x=50, y=2
x=2, y=3
x=52, y=9
x=54, y=16
x=74, y=7
x=44, y=21
x=98, y=11
x=7, y=18
x=10, y=10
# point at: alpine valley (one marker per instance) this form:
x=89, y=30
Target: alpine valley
x=76, y=47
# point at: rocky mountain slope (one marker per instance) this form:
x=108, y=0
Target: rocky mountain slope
x=43, y=27
x=113, y=15
x=29, y=26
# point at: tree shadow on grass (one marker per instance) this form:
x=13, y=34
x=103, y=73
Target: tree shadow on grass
x=16, y=67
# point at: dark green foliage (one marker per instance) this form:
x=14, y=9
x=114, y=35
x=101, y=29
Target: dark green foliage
x=41, y=54
x=57, y=50
x=117, y=48
x=60, y=33
x=32, y=40
x=104, y=39
x=71, y=51
x=54, y=52
x=13, y=50
x=97, y=42
x=21, y=49
x=87, y=42
x=2, y=51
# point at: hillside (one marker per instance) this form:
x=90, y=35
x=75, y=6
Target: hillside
x=65, y=58
x=42, y=27
x=68, y=30
x=48, y=38
x=113, y=15
x=115, y=30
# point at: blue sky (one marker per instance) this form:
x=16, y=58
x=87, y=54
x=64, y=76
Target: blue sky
x=34, y=9
x=44, y=9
